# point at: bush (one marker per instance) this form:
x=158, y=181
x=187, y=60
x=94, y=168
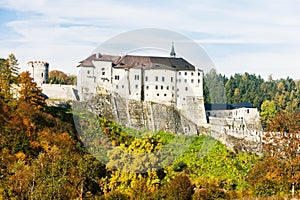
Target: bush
x=211, y=192
x=180, y=188
x=116, y=196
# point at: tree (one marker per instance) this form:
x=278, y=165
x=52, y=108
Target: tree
x=268, y=111
x=59, y=77
x=13, y=66
x=29, y=91
x=283, y=142
x=214, y=87
x=283, y=135
x=180, y=187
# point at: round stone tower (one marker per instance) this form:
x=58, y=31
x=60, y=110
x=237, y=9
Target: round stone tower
x=40, y=71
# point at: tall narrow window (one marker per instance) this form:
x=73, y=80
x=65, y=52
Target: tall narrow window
x=42, y=75
x=163, y=79
x=172, y=79
x=117, y=77
x=156, y=78
x=136, y=77
x=146, y=78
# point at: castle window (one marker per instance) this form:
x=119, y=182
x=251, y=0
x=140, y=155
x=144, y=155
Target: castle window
x=156, y=87
x=161, y=87
x=179, y=80
x=198, y=80
x=186, y=88
x=136, y=86
x=172, y=95
x=42, y=75
x=199, y=74
x=192, y=73
x=172, y=87
x=117, y=86
x=248, y=111
x=185, y=73
x=192, y=80
x=88, y=72
x=179, y=73
x=163, y=79
x=147, y=87
x=136, y=77
x=146, y=78
x=157, y=94
x=103, y=69
x=172, y=79
x=165, y=95
x=185, y=80
x=167, y=87
x=103, y=73
x=183, y=99
x=122, y=86
x=177, y=89
x=156, y=78
x=117, y=77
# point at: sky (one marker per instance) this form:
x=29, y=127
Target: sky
x=260, y=37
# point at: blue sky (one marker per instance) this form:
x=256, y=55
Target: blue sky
x=258, y=36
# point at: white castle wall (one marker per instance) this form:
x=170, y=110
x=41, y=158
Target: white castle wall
x=55, y=91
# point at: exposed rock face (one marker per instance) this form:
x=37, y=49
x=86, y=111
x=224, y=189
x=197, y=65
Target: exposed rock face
x=140, y=115
x=156, y=117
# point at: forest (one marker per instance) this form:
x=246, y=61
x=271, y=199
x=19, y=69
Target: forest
x=46, y=155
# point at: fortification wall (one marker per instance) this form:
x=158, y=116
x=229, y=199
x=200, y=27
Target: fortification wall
x=56, y=91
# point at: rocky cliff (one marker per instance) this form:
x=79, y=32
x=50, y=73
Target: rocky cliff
x=140, y=115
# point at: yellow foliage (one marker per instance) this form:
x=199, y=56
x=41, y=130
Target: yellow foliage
x=20, y=156
x=35, y=144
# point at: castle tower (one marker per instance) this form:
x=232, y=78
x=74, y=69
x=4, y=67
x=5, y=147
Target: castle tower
x=40, y=71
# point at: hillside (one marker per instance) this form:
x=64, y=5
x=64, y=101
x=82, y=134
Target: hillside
x=46, y=153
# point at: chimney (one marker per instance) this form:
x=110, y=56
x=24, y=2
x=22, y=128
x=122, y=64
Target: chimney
x=98, y=55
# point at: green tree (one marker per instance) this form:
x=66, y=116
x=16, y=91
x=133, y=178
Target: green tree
x=214, y=87
x=268, y=111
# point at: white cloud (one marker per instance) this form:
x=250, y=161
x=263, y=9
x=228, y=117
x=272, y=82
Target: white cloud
x=63, y=31
x=275, y=64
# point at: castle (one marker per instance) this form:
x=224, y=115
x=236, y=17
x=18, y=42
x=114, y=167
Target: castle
x=169, y=81
x=166, y=80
